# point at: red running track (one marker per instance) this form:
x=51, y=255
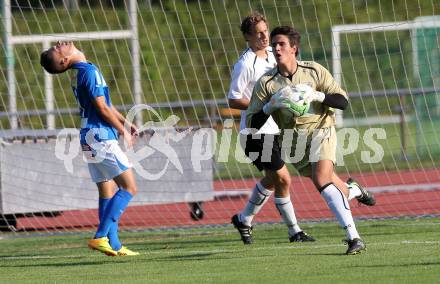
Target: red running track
x=422, y=198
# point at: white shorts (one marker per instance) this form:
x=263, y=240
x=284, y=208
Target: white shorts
x=106, y=160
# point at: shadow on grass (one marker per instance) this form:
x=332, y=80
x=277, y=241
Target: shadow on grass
x=397, y=265
x=201, y=241
x=65, y=264
x=198, y=256
x=328, y=254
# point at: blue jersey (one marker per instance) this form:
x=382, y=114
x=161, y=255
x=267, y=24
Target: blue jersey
x=87, y=86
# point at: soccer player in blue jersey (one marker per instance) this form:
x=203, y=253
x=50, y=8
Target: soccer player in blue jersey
x=101, y=124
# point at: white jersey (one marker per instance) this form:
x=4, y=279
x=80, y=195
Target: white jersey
x=248, y=69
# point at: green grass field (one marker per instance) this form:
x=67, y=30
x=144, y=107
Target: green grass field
x=399, y=251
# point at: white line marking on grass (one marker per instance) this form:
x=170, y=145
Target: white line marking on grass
x=44, y=257
x=407, y=242
x=180, y=251
x=421, y=242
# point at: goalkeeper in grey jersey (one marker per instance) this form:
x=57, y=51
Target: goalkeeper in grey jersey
x=256, y=60
x=318, y=124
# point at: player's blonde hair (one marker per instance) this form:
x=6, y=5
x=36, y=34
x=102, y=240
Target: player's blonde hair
x=251, y=21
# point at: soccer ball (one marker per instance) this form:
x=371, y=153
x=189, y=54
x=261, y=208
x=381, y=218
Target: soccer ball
x=295, y=96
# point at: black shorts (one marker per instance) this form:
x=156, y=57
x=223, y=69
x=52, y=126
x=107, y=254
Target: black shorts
x=270, y=158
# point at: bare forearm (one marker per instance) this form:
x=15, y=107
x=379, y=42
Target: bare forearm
x=127, y=123
x=112, y=118
x=241, y=104
x=118, y=115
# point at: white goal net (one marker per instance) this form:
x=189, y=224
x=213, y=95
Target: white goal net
x=176, y=57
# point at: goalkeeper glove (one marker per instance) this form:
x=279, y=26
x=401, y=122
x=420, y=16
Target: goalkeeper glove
x=309, y=94
x=315, y=96
x=289, y=98
x=278, y=101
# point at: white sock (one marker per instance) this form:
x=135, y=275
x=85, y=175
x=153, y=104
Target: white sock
x=258, y=198
x=353, y=191
x=285, y=207
x=338, y=203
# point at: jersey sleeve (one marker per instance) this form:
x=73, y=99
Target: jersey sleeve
x=258, y=99
x=327, y=84
x=94, y=83
x=240, y=79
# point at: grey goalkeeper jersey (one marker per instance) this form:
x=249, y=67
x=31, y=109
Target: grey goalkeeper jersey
x=308, y=72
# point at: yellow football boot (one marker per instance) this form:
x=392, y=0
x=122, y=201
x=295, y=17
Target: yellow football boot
x=126, y=252
x=102, y=245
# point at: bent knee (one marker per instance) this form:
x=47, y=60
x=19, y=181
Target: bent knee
x=132, y=190
x=281, y=179
x=320, y=182
x=282, y=186
x=284, y=180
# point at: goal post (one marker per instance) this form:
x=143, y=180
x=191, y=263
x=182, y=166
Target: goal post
x=427, y=72
x=425, y=38
x=339, y=30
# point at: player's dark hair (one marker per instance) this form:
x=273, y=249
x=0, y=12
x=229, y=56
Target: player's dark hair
x=251, y=21
x=293, y=35
x=48, y=63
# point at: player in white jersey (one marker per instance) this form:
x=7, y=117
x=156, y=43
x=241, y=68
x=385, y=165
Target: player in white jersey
x=100, y=125
x=256, y=60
